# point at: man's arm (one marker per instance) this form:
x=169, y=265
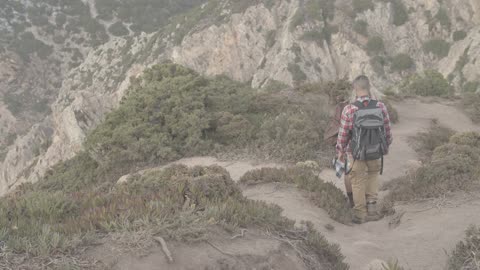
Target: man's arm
x=344, y=131
x=387, y=123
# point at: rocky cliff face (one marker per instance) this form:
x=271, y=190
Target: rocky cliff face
x=59, y=81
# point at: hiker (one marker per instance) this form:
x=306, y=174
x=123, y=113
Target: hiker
x=365, y=134
x=331, y=134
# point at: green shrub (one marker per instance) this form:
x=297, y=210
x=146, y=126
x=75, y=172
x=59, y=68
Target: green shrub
x=183, y=114
x=452, y=167
x=471, y=87
x=438, y=47
x=375, y=45
x=427, y=141
x=118, y=29
x=471, y=104
x=400, y=13
x=443, y=19
x=378, y=64
x=401, y=62
x=465, y=256
x=60, y=19
x=274, y=85
x=297, y=19
x=459, y=35
x=320, y=10
x=314, y=36
x=429, y=83
x=297, y=73
x=360, y=6
x=270, y=38
x=324, y=194
x=392, y=112
x=361, y=27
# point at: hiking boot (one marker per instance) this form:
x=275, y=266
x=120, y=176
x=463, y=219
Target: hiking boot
x=372, y=209
x=372, y=217
x=357, y=220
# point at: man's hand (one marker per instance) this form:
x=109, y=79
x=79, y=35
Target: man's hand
x=341, y=157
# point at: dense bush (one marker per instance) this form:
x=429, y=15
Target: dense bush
x=466, y=255
x=459, y=35
x=443, y=19
x=315, y=36
x=172, y=112
x=297, y=73
x=429, y=83
x=426, y=142
x=118, y=29
x=452, y=167
x=375, y=45
x=400, y=13
x=360, y=6
x=361, y=27
x=438, y=47
x=378, y=64
x=471, y=104
x=471, y=87
x=401, y=62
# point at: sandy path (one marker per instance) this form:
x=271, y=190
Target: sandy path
x=428, y=230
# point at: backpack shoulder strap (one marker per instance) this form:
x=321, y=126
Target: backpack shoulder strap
x=372, y=104
x=358, y=104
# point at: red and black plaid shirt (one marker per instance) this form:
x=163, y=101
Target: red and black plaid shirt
x=346, y=126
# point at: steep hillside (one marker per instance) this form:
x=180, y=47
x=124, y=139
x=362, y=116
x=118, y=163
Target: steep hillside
x=65, y=64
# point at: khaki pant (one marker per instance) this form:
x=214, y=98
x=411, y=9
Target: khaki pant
x=364, y=178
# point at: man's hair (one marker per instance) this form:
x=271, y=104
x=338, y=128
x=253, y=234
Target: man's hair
x=361, y=82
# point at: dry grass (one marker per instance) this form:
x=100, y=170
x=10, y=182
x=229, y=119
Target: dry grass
x=452, y=167
x=427, y=141
x=178, y=203
x=323, y=194
x=466, y=255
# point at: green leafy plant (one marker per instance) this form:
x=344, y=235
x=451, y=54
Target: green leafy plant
x=459, y=35
x=375, y=45
x=361, y=27
x=429, y=83
x=438, y=47
x=400, y=13
x=401, y=62
x=360, y=6
x=466, y=255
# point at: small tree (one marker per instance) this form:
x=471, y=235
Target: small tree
x=360, y=6
x=401, y=62
x=438, y=47
x=459, y=35
x=400, y=13
x=443, y=19
x=375, y=45
x=118, y=29
x=430, y=83
x=361, y=27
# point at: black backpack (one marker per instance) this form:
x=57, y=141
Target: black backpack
x=369, y=140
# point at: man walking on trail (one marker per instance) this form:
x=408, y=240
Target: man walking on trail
x=365, y=134
x=331, y=134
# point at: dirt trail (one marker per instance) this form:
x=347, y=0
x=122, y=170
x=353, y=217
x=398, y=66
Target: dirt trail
x=428, y=230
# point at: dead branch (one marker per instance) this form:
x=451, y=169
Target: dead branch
x=164, y=248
